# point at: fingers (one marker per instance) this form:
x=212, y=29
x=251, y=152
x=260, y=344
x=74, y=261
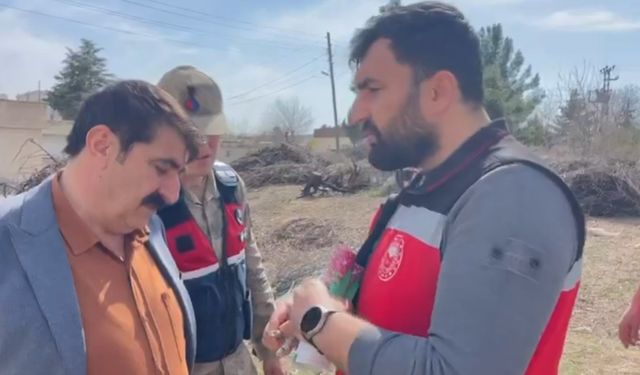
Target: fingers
x=289, y=345
x=624, y=332
x=633, y=334
x=287, y=336
x=282, y=340
x=280, y=313
x=273, y=339
x=628, y=329
x=274, y=366
x=287, y=329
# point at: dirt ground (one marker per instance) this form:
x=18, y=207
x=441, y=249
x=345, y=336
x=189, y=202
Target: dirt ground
x=296, y=236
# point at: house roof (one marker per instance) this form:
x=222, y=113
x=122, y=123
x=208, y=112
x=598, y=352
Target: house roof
x=329, y=132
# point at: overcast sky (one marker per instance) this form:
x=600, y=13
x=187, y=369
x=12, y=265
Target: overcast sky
x=261, y=50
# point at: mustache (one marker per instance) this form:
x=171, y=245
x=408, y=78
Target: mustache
x=368, y=126
x=154, y=201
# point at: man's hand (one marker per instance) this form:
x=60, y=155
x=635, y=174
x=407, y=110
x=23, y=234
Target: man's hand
x=273, y=337
x=630, y=325
x=283, y=330
x=309, y=293
x=274, y=366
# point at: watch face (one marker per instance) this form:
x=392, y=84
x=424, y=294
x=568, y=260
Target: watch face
x=311, y=319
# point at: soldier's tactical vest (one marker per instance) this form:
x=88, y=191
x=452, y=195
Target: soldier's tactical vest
x=217, y=287
x=402, y=254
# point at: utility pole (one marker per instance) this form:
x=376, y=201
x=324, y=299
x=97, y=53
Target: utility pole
x=604, y=96
x=333, y=92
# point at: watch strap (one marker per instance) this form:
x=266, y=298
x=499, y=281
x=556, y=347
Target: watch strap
x=323, y=322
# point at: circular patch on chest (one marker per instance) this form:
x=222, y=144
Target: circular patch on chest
x=392, y=258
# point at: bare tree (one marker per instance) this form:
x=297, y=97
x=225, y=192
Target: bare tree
x=625, y=107
x=547, y=111
x=240, y=126
x=578, y=119
x=591, y=126
x=289, y=116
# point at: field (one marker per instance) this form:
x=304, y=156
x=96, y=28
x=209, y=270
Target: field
x=296, y=235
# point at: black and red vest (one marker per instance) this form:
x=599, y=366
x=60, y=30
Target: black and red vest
x=217, y=287
x=402, y=259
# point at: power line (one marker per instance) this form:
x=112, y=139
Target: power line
x=229, y=19
x=168, y=25
x=273, y=92
x=289, y=73
x=102, y=10
x=109, y=28
x=207, y=19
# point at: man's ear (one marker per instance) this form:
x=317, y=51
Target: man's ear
x=102, y=144
x=438, y=93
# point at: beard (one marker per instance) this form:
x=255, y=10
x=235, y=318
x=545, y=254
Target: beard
x=410, y=139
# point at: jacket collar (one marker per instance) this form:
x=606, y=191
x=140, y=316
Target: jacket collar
x=473, y=148
x=40, y=250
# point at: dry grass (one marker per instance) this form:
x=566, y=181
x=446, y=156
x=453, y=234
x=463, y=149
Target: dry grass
x=611, y=274
x=612, y=266
x=282, y=223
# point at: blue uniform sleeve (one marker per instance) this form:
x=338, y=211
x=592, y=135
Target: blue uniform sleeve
x=508, y=246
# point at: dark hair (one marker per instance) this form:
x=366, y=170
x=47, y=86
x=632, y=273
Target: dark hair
x=133, y=110
x=429, y=36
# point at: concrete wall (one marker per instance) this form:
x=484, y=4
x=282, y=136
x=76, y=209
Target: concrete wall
x=322, y=144
x=18, y=115
x=54, y=138
x=232, y=148
x=19, y=156
x=21, y=125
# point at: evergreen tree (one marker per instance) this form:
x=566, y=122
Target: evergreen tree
x=84, y=72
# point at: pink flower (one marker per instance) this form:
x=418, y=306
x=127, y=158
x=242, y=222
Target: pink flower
x=341, y=264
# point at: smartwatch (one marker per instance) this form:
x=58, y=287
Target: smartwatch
x=313, y=321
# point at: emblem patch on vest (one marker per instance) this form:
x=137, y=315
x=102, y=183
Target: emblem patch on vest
x=392, y=259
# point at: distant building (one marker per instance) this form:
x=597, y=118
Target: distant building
x=327, y=131
x=32, y=96
x=39, y=96
x=324, y=139
x=4, y=96
x=21, y=125
x=27, y=138
x=234, y=147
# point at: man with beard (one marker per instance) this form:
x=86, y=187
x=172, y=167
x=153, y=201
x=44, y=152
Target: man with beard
x=87, y=283
x=474, y=267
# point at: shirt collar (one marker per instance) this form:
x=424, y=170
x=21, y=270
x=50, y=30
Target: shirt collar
x=75, y=231
x=210, y=193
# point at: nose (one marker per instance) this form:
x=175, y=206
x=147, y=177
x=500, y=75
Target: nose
x=170, y=188
x=359, y=112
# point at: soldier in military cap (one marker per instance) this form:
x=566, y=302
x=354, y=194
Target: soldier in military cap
x=209, y=235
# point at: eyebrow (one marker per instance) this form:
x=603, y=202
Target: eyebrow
x=356, y=86
x=169, y=162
